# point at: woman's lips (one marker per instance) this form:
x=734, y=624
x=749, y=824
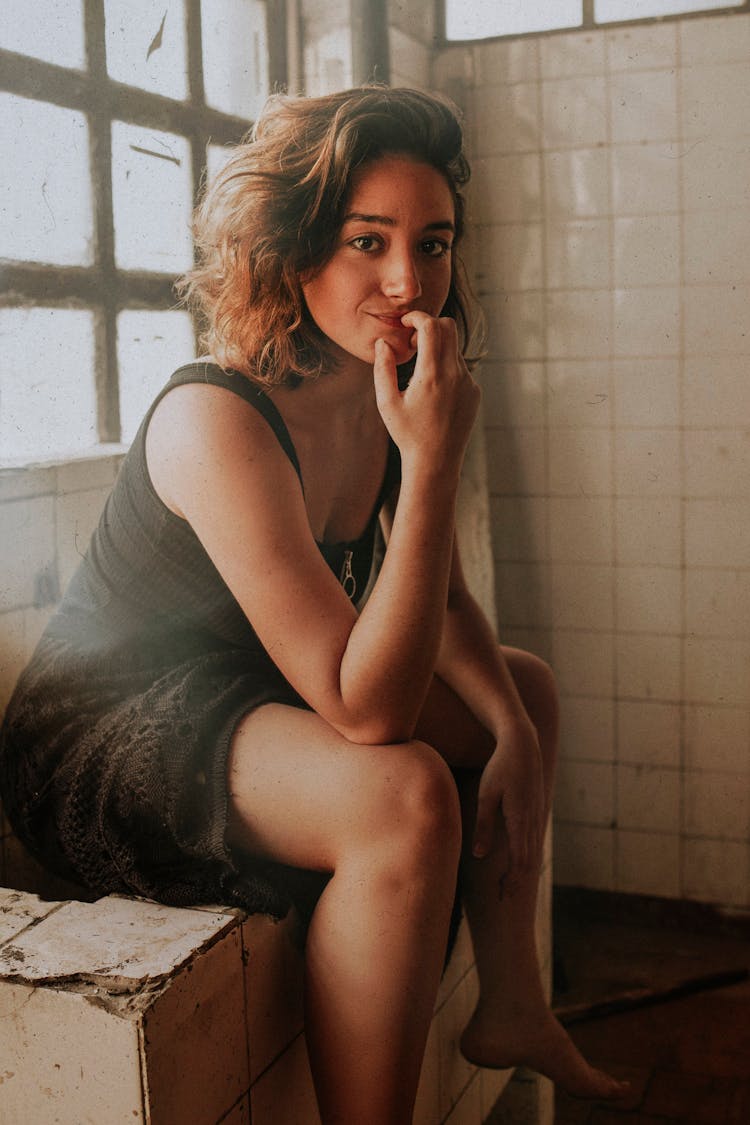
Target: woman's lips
x=391, y=321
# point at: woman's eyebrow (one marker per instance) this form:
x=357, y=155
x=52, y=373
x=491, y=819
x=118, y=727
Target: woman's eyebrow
x=387, y=221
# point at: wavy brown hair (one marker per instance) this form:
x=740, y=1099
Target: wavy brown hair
x=273, y=213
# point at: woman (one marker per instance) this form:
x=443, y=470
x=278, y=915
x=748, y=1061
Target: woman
x=214, y=714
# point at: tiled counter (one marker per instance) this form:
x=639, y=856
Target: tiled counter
x=123, y=1010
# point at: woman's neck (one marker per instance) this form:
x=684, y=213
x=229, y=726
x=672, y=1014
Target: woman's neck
x=347, y=390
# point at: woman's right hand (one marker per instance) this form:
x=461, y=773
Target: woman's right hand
x=433, y=417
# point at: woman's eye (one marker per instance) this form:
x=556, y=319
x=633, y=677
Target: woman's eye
x=364, y=242
x=435, y=248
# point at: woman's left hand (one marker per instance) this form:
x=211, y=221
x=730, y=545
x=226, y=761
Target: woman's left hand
x=512, y=783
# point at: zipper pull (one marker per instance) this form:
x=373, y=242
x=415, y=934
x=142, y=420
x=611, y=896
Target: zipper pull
x=346, y=578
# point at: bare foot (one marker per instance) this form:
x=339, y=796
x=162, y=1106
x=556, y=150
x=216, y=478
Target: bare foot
x=542, y=1045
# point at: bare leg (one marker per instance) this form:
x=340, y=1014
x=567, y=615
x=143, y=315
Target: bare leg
x=512, y=1024
x=385, y=821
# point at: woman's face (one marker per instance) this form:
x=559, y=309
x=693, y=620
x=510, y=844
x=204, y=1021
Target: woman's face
x=393, y=254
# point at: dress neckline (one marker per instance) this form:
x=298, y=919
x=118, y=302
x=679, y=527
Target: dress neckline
x=256, y=395
x=337, y=544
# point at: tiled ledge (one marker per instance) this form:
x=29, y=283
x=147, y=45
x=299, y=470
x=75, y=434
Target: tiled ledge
x=123, y=1010
x=119, y=1010
x=97, y=466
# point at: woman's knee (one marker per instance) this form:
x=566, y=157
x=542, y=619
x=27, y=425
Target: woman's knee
x=537, y=687
x=414, y=805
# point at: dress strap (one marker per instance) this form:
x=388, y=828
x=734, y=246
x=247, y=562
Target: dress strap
x=239, y=384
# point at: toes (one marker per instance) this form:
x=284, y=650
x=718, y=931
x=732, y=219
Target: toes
x=611, y=1087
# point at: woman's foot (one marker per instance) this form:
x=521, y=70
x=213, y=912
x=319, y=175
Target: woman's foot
x=540, y=1044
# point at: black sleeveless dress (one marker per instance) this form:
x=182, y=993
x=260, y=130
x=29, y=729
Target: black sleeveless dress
x=113, y=752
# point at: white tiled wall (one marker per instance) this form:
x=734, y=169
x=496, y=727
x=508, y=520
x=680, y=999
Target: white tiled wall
x=611, y=192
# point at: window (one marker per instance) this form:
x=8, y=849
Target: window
x=110, y=112
x=471, y=19
x=482, y=19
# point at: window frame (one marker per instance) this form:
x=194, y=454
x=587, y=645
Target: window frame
x=588, y=23
x=103, y=287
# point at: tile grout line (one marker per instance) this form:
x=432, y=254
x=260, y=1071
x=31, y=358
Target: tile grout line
x=615, y=820
x=681, y=857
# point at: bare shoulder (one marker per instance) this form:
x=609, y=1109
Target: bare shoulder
x=203, y=437
x=215, y=461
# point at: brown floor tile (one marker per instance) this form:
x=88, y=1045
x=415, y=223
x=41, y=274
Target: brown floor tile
x=716, y=1034
x=689, y=1097
x=605, y=959
x=704, y=1034
x=612, y=1117
x=640, y=1039
x=688, y=1058
x=571, y=1111
x=739, y=1111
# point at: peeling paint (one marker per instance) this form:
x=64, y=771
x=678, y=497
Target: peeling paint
x=115, y=945
x=13, y=953
x=103, y=979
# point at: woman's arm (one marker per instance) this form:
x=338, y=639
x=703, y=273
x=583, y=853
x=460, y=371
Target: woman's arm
x=471, y=661
x=216, y=462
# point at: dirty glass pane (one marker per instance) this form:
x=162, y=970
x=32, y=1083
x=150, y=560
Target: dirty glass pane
x=479, y=19
x=328, y=61
x=45, y=29
x=45, y=190
x=151, y=197
x=235, y=55
x=607, y=10
x=146, y=45
x=216, y=158
x=47, y=401
x=150, y=346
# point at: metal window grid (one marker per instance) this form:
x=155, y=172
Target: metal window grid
x=102, y=287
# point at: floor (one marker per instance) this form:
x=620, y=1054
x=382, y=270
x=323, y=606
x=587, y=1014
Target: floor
x=679, y=1035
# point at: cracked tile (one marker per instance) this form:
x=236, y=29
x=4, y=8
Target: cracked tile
x=130, y=940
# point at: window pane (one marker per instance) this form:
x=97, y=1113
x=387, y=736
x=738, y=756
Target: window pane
x=151, y=198
x=45, y=29
x=216, y=158
x=47, y=401
x=235, y=55
x=45, y=192
x=328, y=62
x=477, y=19
x=606, y=10
x=150, y=346
x=146, y=45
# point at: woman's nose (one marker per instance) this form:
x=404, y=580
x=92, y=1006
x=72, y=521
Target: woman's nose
x=401, y=277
